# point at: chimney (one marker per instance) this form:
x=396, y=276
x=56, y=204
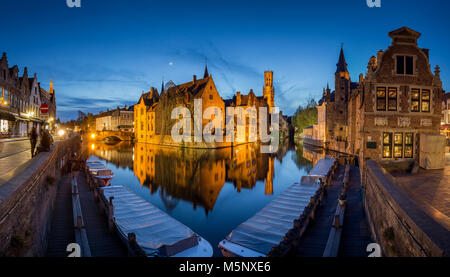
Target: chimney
x=238, y=98
x=195, y=79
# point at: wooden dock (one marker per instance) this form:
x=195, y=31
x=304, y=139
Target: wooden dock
x=314, y=240
x=61, y=228
x=355, y=232
x=101, y=241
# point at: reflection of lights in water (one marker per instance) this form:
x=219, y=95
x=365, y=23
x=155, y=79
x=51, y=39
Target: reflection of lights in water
x=93, y=146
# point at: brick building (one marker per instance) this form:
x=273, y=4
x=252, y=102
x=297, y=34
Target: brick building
x=152, y=114
x=445, y=118
x=386, y=114
x=20, y=100
x=120, y=119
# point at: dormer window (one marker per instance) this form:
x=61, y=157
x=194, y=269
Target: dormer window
x=405, y=65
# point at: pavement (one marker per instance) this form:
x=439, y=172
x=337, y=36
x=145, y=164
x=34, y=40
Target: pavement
x=430, y=190
x=14, y=153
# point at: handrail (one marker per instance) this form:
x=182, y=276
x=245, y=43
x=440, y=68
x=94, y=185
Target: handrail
x=78, y=221
x=334, y=238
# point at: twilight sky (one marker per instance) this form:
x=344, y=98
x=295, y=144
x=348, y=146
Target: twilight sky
x=108, y=52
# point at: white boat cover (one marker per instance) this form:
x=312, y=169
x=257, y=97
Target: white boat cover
x=154, y=229
x=268, y=227
x=322, y=167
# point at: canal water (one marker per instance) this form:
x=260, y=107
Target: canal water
x=210, y=191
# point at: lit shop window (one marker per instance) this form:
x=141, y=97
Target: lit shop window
x=392, y=99
x=415, y=100
x=409, y=145
x=398, y=145
x=381, y=99
x=387, y=145
x=425, y=101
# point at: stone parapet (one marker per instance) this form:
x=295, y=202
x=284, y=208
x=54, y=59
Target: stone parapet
x=26, y=201
x=396, y=222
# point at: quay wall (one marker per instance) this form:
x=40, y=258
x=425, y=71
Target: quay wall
x=397, y=224
x=27, y=200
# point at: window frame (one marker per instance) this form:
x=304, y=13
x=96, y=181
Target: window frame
x=428, y=101
x=389, y=99
x=413, y=100
x=387, y=145
x=409, y=145
x=398, y=144
x=403, y=58
x=378, y=98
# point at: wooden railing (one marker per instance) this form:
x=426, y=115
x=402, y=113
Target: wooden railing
x=334, y=238
x=78, y=222
x=292, y=238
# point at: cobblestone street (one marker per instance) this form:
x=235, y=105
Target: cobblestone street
x=431, y=191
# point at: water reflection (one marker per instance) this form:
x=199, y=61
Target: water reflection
x=210, y=191
x=199, y=175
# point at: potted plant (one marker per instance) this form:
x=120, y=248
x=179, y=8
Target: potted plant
x=342, y=199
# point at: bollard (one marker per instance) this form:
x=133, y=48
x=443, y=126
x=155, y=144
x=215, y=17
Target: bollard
x=111, y=214
x=131, y=244
x=336, y=222
x=96, y=195
x=79, y=223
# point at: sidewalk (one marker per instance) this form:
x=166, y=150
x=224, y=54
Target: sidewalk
x=13, y=139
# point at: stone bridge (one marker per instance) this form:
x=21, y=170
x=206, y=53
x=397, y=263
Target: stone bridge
x=124, y=136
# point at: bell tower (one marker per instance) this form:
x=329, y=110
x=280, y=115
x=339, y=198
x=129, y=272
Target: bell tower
x=269, y=91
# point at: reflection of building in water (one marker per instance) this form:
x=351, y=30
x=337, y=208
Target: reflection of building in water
x=198, y=175
x=120, y=154
x=193, y=175
x=313, y=156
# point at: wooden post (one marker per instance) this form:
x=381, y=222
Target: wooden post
x=336, y=221
x=95, y=195
x=111, y=213
x=79, y=223
x=131, y=244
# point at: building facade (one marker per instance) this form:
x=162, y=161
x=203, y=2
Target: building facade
x=152, y=114
x=117, y=120
x=384, y=116
x=445, y=118
x=20, y=101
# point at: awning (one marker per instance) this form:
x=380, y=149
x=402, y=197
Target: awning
x=7, y=116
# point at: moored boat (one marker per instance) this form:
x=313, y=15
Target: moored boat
x=257, y=236
x=157, y=233
x=99, y=171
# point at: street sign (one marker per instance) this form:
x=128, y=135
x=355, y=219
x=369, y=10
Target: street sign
x=44, y=108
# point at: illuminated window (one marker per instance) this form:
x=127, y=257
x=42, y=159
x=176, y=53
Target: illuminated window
x=392, y=99
x=415, y=100
x=409, y=144
x=398, y=145
x=425, y=101
x=381, y=99
x=387, y=145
